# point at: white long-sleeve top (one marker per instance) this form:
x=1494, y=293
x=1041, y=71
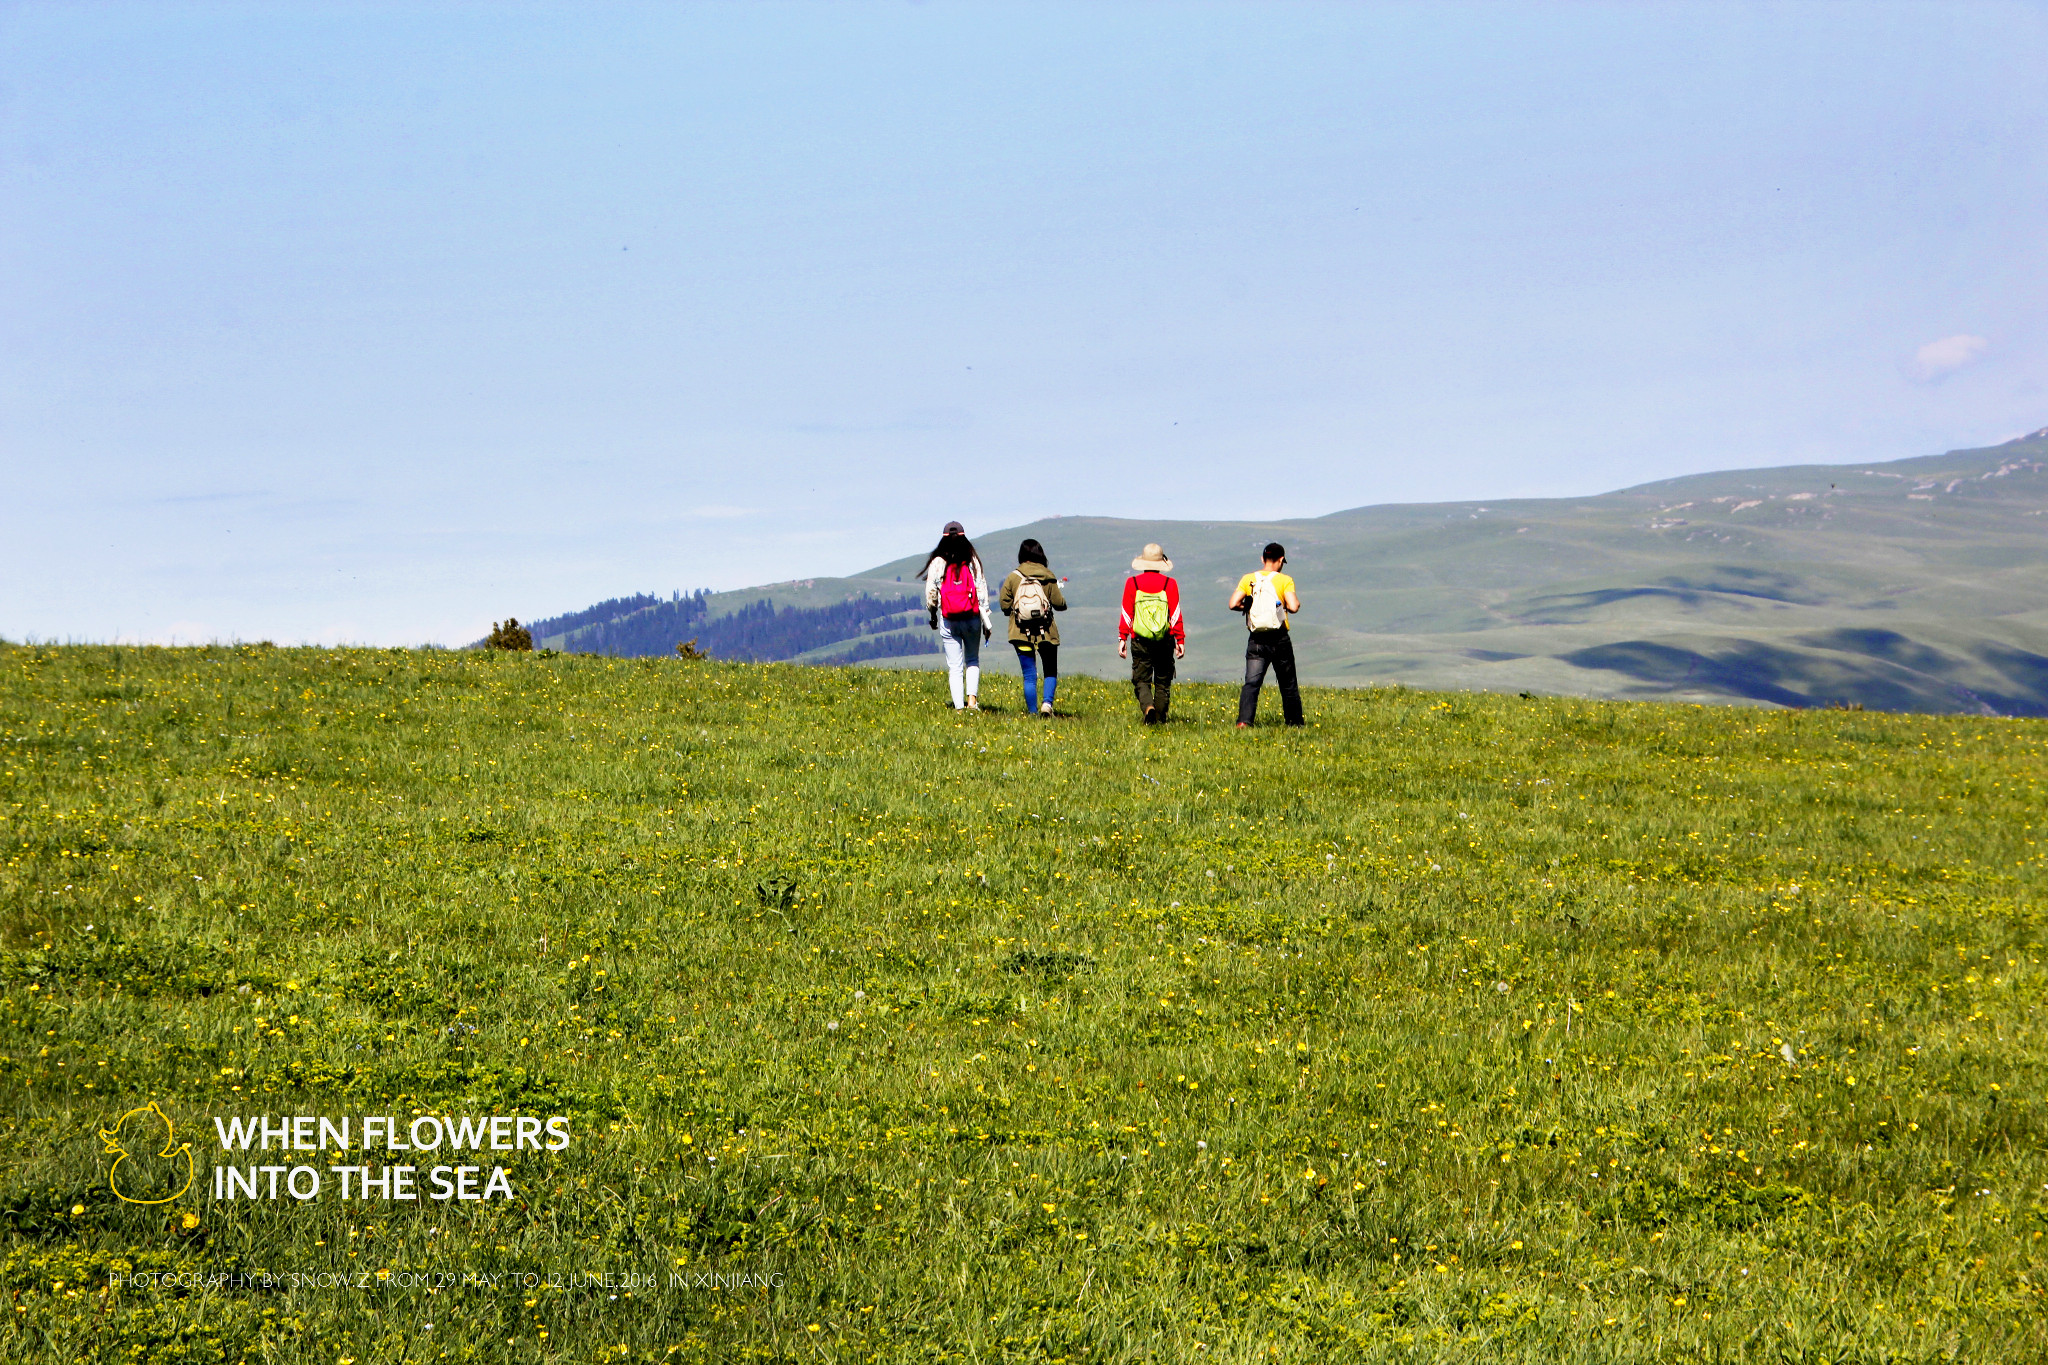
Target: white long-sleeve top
x=934, y=575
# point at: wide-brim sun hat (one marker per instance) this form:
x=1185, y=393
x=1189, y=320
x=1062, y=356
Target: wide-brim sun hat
x=1155, y=559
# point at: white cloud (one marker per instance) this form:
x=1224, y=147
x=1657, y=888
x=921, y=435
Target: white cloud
x=1946, y=356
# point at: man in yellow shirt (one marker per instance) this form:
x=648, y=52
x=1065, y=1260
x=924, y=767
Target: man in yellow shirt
x=1267, y=599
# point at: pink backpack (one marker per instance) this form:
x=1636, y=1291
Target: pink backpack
x=956, y=591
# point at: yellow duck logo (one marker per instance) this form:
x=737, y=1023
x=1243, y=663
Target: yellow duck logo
x=150, y=1165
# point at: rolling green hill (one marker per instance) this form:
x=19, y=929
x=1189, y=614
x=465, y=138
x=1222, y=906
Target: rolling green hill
x=1913, y=585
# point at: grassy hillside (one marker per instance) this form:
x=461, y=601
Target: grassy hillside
x=1464, y=1028
x=1913, y=586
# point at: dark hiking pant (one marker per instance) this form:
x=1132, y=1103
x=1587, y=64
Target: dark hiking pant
x=1264, y=648
x=1152, y=675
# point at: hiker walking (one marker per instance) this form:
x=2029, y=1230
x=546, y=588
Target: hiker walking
x=956, y=602
x=1266, y=597
x=1150, y=631
x=1030, y=595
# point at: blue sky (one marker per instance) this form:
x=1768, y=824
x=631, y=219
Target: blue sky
x=373, y=323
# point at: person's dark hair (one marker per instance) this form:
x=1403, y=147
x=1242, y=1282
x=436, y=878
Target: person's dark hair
x=1031, y=552
x=1274, y=550
x=954, y=548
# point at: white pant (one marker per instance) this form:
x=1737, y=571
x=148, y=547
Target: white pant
x=961, y=636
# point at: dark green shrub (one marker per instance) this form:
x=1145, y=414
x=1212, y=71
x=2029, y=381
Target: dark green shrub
x=509, y=634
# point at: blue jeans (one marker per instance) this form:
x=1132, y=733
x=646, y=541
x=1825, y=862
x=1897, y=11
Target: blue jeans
x=1027, y=660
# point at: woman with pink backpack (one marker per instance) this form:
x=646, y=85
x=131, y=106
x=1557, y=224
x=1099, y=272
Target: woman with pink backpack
x=956, y=601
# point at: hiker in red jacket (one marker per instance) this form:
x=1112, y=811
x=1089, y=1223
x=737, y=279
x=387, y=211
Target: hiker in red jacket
x=1150, y=631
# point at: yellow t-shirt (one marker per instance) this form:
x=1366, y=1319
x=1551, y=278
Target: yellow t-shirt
x=1282, y=585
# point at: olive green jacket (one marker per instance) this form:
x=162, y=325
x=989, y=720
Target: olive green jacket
x=1008, y=601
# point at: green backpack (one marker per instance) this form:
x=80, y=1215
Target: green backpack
x=1148, y=616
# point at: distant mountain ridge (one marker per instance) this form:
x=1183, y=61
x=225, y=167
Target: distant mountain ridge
x=1917, y=584
x=855, y=630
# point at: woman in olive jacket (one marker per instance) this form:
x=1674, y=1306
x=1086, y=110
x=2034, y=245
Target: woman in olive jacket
x=1033, y=633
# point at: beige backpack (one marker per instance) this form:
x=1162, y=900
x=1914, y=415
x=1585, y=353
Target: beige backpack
x=1030, y=606
x=1268, y=609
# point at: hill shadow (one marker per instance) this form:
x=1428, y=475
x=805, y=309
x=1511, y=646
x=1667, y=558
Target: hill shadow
x=1753, y=670
x=2019, y=682
x=1729, y=585
x=1877, y=669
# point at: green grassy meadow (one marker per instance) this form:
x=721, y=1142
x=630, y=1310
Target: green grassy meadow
x=1454, y=1027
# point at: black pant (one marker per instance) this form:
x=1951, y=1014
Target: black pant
x=1263, y=648
x=1152, y=674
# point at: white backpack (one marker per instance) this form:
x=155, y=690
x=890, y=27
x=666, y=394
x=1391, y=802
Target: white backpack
x=1268, y=609
x=1030, y=606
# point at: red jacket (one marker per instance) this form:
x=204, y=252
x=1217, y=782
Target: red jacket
x=1152, y=581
